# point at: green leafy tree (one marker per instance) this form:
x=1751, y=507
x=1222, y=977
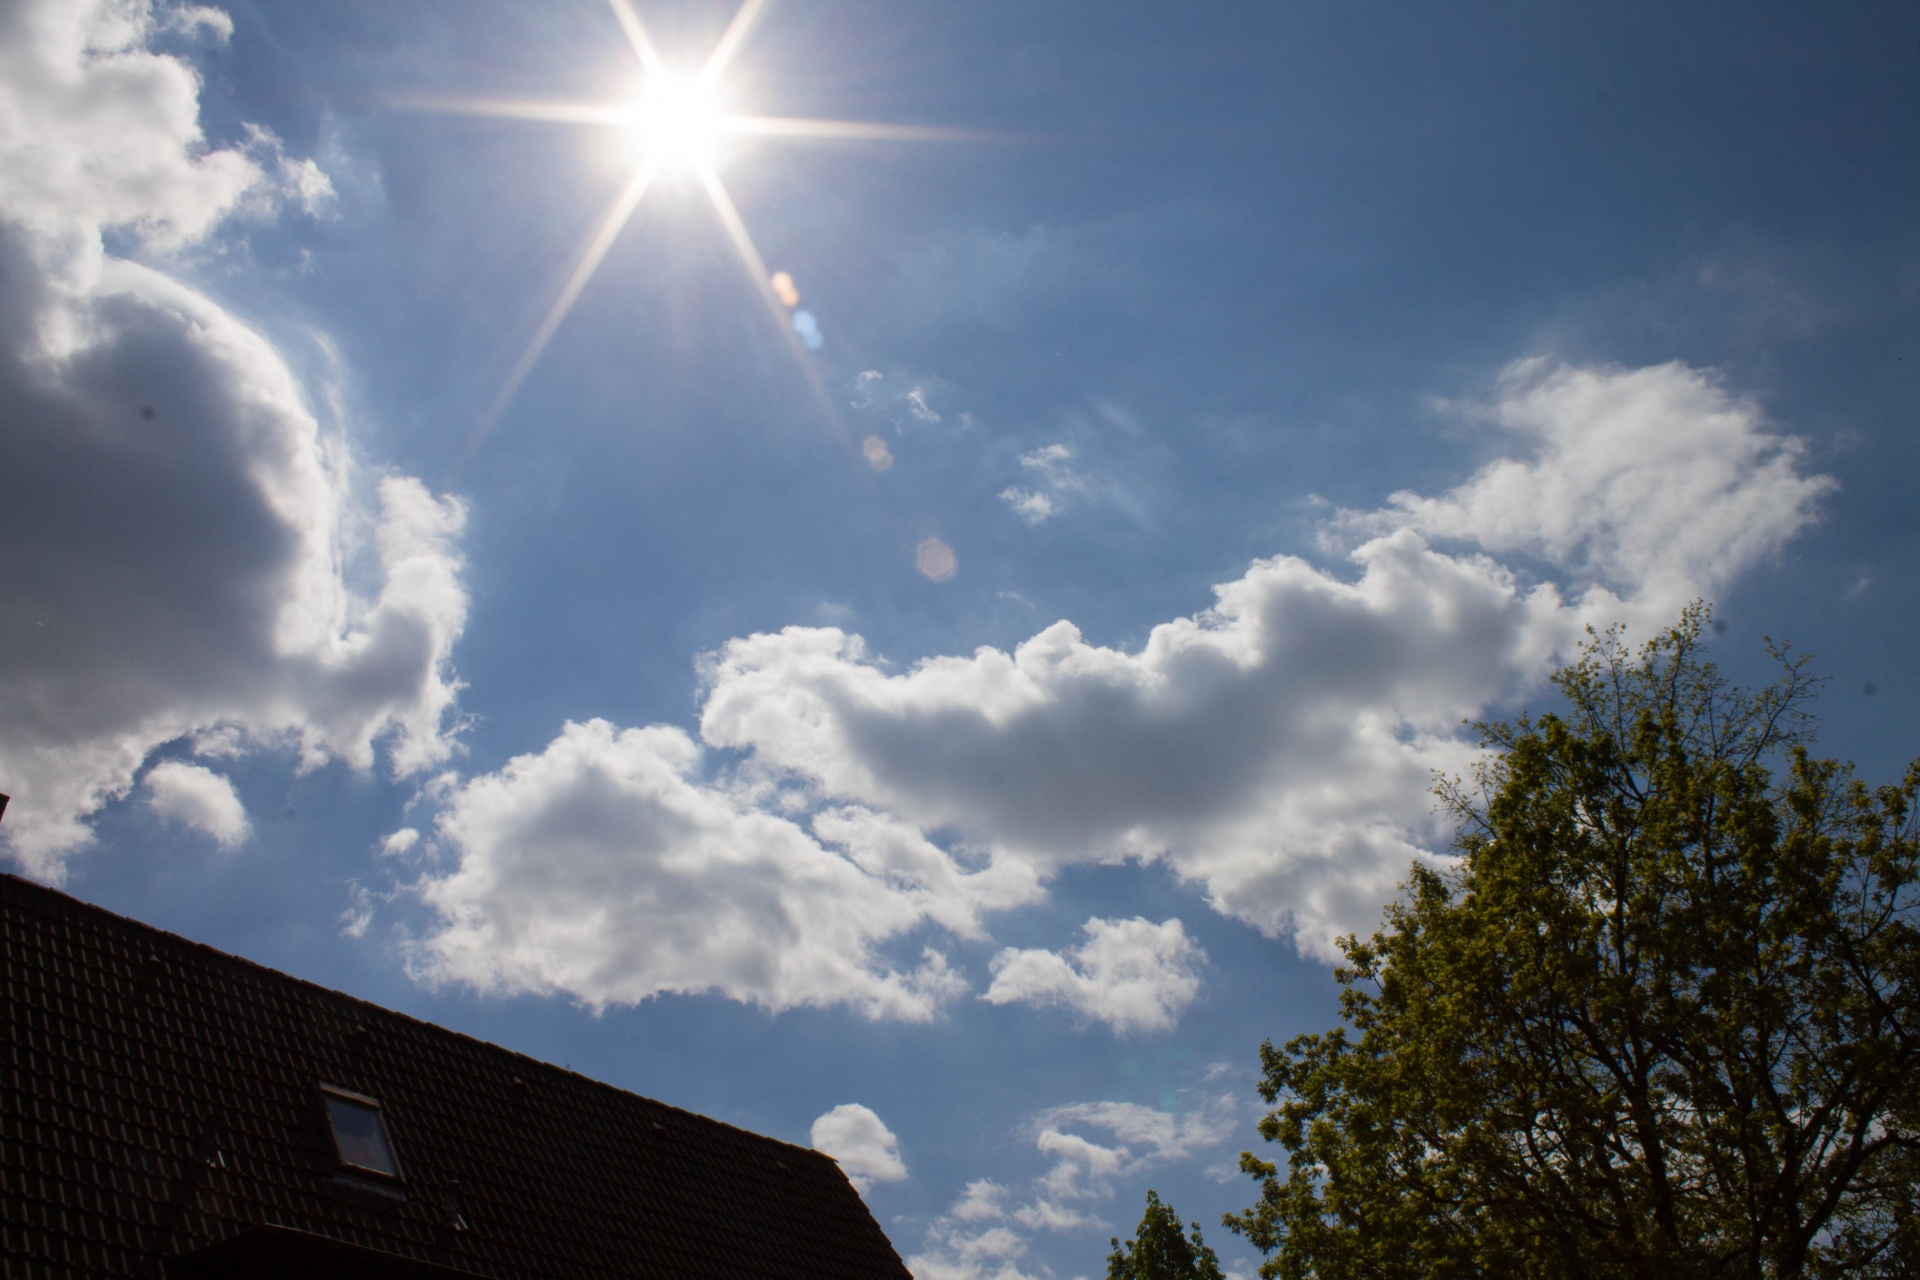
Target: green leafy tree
x=1662, y=1018
x=1161, y=1250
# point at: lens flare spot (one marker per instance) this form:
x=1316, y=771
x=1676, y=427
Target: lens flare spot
x=935, y=560
x=783, y=289
x=807, y=325
x=878, y=456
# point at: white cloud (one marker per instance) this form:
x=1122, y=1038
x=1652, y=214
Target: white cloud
x=916, y=403
x=604, y=868
x=1133, y=975
x=1049, y=1215
x=985, y=1231
x=300, y=181
x=358, y=917
x=1143, y=1138
x=861, y=1142
x=960, y=1253
x=984, y=1200
x=1029, y=504
x=1276, y=750
x=1054, y=463
x=199, y=19
x=903, y=399
x=184, y=554
x=97, y=130
x=1654, y=481
x=1054, y=466
x=973, y=1240
x=198, y=797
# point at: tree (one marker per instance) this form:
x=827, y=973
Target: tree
x=1162, y=1251
x=1661, y=1018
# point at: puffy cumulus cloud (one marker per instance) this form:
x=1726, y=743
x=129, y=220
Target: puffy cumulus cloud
x=197, y=797
x=1657, y=481
x=983, y=1200
x=979, y=1238
x=604, y=868
x=1133, y=975
x=396, y=843
x=98, y=130
x=1277, y=749
x=184, y=553
x=989, y=1227
x=175, y=540
x=861, y=1142
x=968, y=1252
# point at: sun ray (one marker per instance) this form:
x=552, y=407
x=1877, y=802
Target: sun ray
x=637, y=36
x=558, y=111
x=757, y=272
x=589, y=262
x=562, y=111
x=801, y=127
x=743, y=19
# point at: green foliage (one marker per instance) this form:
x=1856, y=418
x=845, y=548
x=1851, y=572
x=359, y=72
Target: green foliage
x=1661, y=1019
x=1162, y=1251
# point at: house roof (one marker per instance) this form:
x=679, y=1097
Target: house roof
x=162, y=1101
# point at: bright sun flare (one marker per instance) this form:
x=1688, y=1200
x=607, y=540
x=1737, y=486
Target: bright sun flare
x=678, y=121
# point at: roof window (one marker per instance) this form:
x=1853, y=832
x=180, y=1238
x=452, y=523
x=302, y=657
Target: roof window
x=359, y=1132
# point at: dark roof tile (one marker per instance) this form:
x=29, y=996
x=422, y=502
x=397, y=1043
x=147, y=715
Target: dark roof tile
x=162, y=1097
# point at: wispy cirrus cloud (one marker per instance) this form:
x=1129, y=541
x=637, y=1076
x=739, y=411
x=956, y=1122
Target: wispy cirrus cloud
x=1054, y=480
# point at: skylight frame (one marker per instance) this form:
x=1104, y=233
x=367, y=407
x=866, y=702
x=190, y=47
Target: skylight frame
x=333, y=1100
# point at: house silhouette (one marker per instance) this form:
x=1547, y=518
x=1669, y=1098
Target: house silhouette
x=168, y=1110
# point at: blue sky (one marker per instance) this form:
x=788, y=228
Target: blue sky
x=964, y=774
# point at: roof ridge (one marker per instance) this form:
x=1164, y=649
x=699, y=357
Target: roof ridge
x=58, y=899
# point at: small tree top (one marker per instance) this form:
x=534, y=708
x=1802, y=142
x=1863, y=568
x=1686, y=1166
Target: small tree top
x=1162, y=1250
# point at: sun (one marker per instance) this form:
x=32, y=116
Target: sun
x=676, y=122
x=679, y=119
